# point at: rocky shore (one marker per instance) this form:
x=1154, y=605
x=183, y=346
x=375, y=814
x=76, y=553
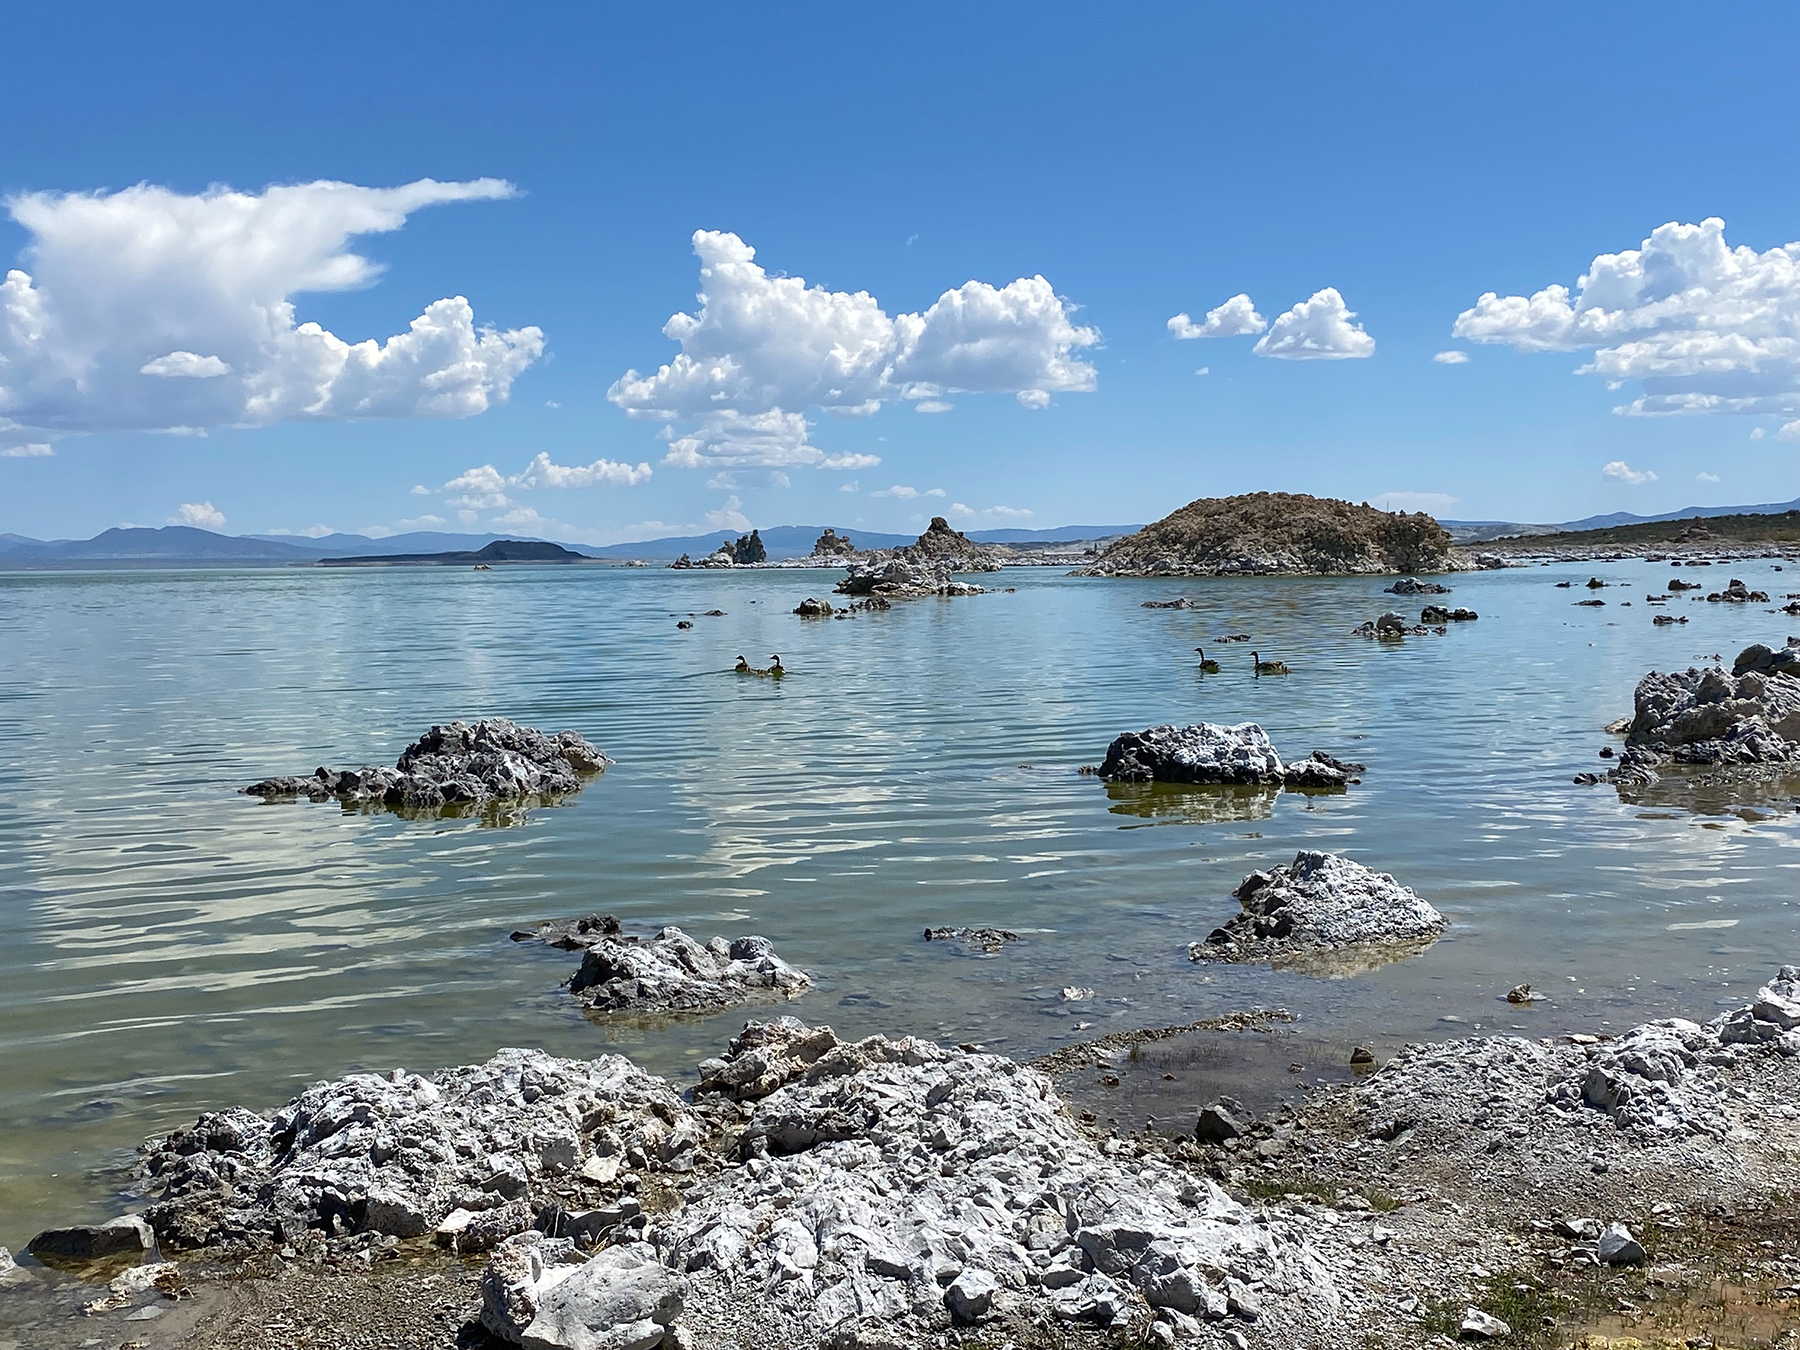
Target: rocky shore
x=809, y=1191
x=1267, y=533
x=462, y=763
x=1740, y=726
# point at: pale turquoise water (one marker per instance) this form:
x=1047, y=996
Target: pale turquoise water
x=170, y=946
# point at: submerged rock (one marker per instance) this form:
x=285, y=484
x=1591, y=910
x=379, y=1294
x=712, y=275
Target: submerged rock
x=984, y=941
x=1208, y=753
x=1439, y=614
x=671, y=972
x=399, y=1152
x=1413, y=586
x=457, y=763
x=572, y=935
x=1320, y=901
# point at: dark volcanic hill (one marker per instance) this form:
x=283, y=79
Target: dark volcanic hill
x=500, y=551
x=1277, y=532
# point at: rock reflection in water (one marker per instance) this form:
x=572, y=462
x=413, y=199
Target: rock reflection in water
x=1343, y=963
x=1711, y=790
x=1198, y=805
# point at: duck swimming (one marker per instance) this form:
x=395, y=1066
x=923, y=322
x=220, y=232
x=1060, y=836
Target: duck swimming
x=777, y=670
x=1269, y=667
x=774, y=672
x=1210, y=667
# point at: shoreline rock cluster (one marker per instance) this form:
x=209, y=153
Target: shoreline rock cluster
x=1746, y=724
x=668, y=972
x=454, y=764
x=1266, y=533
x=671, y=972
x=1208, y=754
x=1319, y=902
x=861, y=1194
x=883, y=1194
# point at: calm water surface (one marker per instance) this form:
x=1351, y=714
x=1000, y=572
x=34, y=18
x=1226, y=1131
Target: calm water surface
x=171, y=947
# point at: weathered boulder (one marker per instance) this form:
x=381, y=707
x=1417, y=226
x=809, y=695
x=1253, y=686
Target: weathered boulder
x=1764, y=660
x=1413, y=586
x=813, y=608
x=454, y=764
x=1750, y=722
x=125, y=1235
x=521, y=1271
x=673, y=973
x=1319, y=901
x=621, y=1299
x=890, y=1187
x=399, y=1152
x=1208, y=753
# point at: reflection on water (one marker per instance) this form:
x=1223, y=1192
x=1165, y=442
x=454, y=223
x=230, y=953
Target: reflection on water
x=173, y=946
x=1342, y=963
x=1203, y=804
x=1713, y=791
x=1195, y=805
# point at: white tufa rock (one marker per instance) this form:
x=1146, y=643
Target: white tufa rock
x=879, y=1174
x=673, y=973
x=1320, y=900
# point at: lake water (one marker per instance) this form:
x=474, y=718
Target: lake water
x=172, y=947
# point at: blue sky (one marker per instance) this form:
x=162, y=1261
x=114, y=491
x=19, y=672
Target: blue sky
x=1145, y=161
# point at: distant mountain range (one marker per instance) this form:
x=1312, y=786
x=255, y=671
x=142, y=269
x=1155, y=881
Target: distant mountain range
x=1474, y=531
x=183, y=544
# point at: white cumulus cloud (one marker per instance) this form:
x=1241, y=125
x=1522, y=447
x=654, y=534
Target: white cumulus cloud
x=1316, y=329
x=36, y=450
x=1622, y=471
x=1756, y=433
x=1705, y=477
x=149, y=309
x=1790, y=431
x=1452, y=358
x=541, y=473
x=1432, y=503
x=1237, y=317
x=185, y=366
x=932, y=405
x=201, y=515
x=1705, y=327
x=971, y=515
x=762, y=350
x=729, y=516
